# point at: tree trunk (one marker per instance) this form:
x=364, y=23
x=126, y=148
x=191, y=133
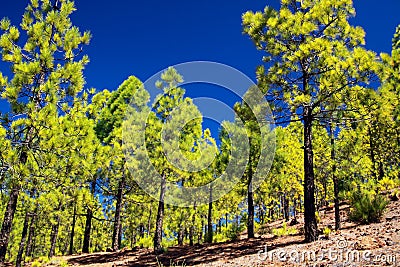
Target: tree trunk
x=71, y=242
x=181, y=233
x=285, y=207
x=88, y=224
x=250, y=202
x=88, y=228
x=7, y=222
x=334, y=178
x=209, y=218
x=29, y=243
x=120, y=236
x=191, y=231
x=23, y=240
x=372, y=154
x=160, y=216
x=117, y=217
x=149, y=221
x=310, y=222
x=53, y=237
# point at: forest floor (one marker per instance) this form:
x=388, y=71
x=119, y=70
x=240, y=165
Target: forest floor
x=354, y=245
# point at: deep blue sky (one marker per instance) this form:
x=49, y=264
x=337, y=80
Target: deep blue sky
x=142, y=37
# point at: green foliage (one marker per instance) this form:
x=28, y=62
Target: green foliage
x=367, y=207
x=326, y=232
x=284, y=230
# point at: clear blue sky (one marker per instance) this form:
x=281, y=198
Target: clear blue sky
x=142, y=37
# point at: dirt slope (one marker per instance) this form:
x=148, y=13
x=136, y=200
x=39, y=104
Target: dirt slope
x=355, y=245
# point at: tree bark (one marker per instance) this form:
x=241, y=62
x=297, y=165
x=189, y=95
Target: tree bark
x=88, y=224
x=209, y=218
x=71, y=242
x=149, y=221
x=250, y=202
x=23, y=240
x=7, y=222
x=160, y=215
x=29, y=243
x=191, y=230
x=53, y=237
x=310, y=222
x=285, y=207
x=181, y=233
x=117, y=217
x=334, y=178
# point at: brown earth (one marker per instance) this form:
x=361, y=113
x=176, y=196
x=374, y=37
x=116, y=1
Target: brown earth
x=354, y=245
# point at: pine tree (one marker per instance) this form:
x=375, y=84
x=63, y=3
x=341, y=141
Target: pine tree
x=314, y=58
x=47, y=72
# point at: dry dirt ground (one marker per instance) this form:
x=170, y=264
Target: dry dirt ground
x=354, y=245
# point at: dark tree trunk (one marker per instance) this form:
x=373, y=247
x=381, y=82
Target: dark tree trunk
x=372, y=153
x=201, y=230
x=7, y=222
x=53, y=237
x=285, y=208
x=310, y=222
x=88, y=228
x=334, y=178
x=29, y=243
x=141, y=230
x=120, y=236
x=117, y=217
x=71, y=241
x=181, y=233
x=250, y=203
x=88, y=223
x=160, y=216
x=191, y=231
x=226, y=220
x=23, y=240
x=209, y=218
x=149, y=221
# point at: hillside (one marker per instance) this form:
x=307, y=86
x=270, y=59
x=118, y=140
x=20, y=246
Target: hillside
x=351, y=245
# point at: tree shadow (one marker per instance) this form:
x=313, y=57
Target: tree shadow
x=188, y=255
x=203, y=254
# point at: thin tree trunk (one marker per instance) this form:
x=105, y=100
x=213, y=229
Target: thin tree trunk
x=117, y=217
x=335, y=180
x=250, y=202
x=181, y=233
x=88, y=223
x=149, y=221
x=372, y=153
x=88, y=228
x=23, y=240
x=29, y=243
x=209, y=218
x=310, y=222
x=120, y=236
x=285, y=207
x=160, y=216
x=71, y=242
x=53, y=237
x=191, y=230
x=7, y=222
